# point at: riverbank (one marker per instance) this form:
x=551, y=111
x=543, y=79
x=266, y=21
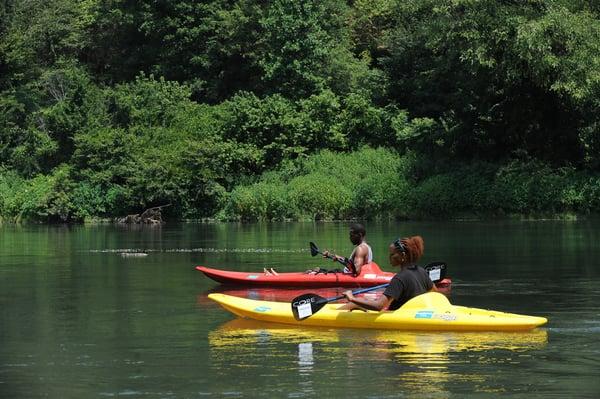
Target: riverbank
x=368, y=184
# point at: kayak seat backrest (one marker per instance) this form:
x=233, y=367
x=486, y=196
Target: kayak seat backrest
x=428, y=301
x=371, y=268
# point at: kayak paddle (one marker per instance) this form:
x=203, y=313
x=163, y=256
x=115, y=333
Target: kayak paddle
x=314, y=251
x=306, y=305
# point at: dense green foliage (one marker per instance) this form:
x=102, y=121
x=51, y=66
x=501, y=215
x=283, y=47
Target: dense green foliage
x=381, y=184
x=298, y=110
x=365, y=183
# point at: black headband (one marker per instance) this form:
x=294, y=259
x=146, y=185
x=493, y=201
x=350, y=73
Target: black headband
x=399, y=246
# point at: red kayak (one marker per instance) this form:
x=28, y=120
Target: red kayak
x=370, y=275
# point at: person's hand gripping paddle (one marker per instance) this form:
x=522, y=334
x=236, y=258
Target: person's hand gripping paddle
x=314, y=251
x=306, y=305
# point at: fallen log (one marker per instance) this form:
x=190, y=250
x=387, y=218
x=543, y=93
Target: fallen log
x=149, y=216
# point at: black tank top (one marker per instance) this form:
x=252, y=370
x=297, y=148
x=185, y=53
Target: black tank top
x=407, y=284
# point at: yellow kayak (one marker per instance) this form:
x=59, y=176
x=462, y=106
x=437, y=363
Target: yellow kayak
x=431, y=311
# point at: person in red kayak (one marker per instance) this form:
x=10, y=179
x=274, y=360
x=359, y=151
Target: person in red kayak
x=410, y=281
x=361, y=255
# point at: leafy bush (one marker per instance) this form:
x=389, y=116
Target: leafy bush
x=318, y=197
x=329, y=186
x=261, y=201
x=381, y=196
x=101, y=200
x=41, y=199
x=532, y=187
x=147, y=102
x=272, y=124
x=518, y=187
x=10, y=183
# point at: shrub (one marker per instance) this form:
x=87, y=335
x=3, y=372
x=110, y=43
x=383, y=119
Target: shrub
x=148, y=102
x=260, y=201
x=532, y=187
x=327, y=185
x=318, y=197
x=41, y=199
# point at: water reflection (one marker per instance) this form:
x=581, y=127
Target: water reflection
x=422, y=362
x=305, y=357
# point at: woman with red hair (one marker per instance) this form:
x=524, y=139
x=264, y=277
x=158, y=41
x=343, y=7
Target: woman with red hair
x=410, y=281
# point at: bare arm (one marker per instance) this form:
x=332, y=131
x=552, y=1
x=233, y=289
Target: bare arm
x=358, y=261
x=372, y=304
x=360, y=258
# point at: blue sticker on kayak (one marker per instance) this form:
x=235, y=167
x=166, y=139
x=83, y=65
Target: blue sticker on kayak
x=424, y=314
x=252, y=276
x=262, y=309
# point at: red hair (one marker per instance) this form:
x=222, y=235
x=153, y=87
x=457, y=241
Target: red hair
x=415, y=246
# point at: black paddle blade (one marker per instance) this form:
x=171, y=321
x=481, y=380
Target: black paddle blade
x=313, y=249
x=306, y=305
x=436, y=271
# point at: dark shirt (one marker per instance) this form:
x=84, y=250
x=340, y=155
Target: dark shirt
x=407, y=284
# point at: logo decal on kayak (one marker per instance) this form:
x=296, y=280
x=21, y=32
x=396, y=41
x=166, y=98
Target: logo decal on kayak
x=446, y=317
x=424, y=314
x=252, y=277
x=370, y=275
x=262, y=309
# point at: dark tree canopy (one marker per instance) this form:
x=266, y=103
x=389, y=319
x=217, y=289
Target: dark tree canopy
x=112, y=107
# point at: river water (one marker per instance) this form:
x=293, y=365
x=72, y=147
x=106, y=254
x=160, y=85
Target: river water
x=83, y=315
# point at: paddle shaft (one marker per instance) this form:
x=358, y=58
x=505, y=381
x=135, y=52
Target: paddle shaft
x=329, y=256
x=315, y=250
x=357, y=292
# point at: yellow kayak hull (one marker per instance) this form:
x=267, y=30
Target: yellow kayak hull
x=428, y=312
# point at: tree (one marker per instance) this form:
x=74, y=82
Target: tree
x=500, y=78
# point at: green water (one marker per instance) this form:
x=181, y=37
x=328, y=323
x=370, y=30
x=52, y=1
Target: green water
x=78, y=319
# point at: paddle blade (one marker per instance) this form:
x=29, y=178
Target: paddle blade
x=436, y=271
x=313, y=249
x=306, y=305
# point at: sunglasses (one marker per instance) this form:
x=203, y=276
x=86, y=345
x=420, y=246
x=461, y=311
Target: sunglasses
x=399, y=246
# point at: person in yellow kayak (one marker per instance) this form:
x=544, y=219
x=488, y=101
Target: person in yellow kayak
x=360, y=256
x=410, y=281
